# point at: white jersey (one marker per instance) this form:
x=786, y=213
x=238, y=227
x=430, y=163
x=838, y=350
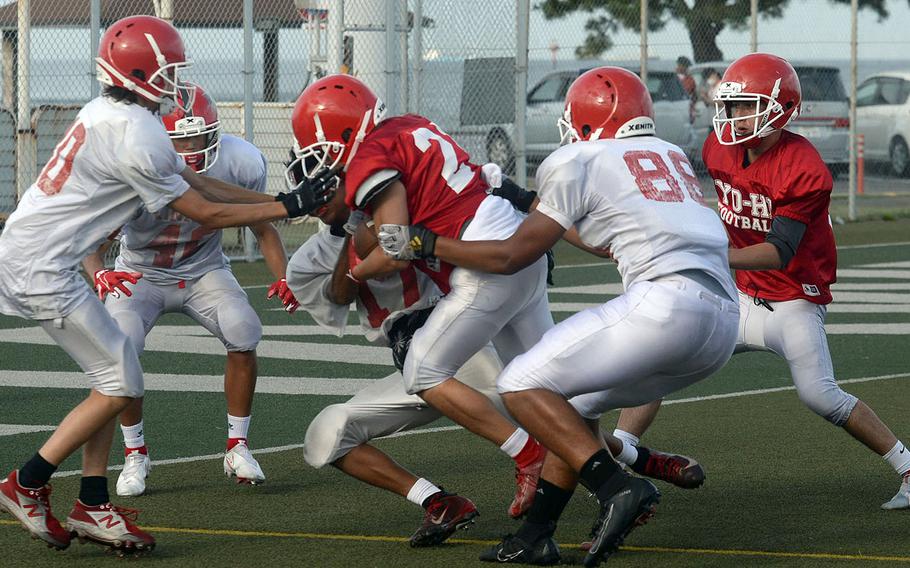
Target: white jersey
x=115, y=158
x=379, y=302
x=167, y=247
x=639, y=198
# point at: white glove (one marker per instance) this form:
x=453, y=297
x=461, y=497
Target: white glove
x=354, y=220
x=403, y=242
x=492, y=174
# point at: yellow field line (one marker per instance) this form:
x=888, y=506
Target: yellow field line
x=397, y=539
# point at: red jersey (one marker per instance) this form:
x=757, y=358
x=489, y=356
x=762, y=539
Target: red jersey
x=444, y=188
x=788, y=180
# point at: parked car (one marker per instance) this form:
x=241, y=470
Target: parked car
x=824, y=118
x=545, y=106
x=883, y=118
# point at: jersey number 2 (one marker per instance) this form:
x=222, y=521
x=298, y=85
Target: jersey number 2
x=60, y=166
x=647, y=178
x=457, y=176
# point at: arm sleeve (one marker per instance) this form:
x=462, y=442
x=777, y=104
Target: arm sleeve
x=151, y=166
x=560, y=190
x=785, y=235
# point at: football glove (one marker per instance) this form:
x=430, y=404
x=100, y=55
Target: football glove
x=280, y=289
x=407, y=242
x=401, y=332
x=309, y=194
x=354, y=220
x=519, y=197
x=113, y=282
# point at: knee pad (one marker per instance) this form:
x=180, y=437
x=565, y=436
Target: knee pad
x=829, y=401
x=325, y=439
x=240, y=329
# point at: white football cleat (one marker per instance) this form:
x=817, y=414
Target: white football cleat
x=131, y=482
x=902, y=499
x=240, y=463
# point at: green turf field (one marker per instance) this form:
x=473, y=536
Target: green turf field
x=784, y=487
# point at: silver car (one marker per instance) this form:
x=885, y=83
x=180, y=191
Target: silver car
x=883, y=118
x=545, y=105
x=824, y=118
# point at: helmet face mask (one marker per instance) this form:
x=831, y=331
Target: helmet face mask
x=196, y=116
x=765, y=81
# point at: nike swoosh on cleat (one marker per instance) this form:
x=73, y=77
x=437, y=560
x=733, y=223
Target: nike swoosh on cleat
x=438, y=518
x=507, y=557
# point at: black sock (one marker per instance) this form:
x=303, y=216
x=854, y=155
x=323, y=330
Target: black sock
x=93, y=491
x=36, y=472
x=643, y=455
x=601, y=475
x=549, y=503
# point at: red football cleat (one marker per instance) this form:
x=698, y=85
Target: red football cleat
x=526, y=482
x=445, y=514
x=32, y=508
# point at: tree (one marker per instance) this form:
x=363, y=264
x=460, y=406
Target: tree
x=704, y=19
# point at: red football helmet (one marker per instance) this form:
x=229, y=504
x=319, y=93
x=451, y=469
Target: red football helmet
x=606, y=102
x=199, y=119
x=330, y=120
x=142, y=54
x=767, y=81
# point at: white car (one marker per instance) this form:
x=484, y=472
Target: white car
x=545, y=106
x=883, y=118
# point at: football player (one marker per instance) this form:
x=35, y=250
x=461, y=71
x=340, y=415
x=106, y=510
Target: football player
x=390, y=310
x=115, y=158
x=405, y=169
x=183, y=269
x=635, y=195
x=773, y=192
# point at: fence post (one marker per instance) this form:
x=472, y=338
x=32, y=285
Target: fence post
x=95, y=33
x=643, y=40
x=851, y=184
x=860, y=164
x=418, y=53
x=753, y=25
x=25, y=138
x=249, y=250
x=522, y=23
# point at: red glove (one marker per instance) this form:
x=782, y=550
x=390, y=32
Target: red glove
x=280, y=289
x=113, y=282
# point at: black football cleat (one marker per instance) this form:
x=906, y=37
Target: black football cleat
x=445, y=514
x=513, y=550
x=633, y=505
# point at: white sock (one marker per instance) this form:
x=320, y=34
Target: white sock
x=628, y=437
x=421, y=490
x=899, y=458
x=629, y=453
x=237, y=426
x=133, y=436
x=515, y=443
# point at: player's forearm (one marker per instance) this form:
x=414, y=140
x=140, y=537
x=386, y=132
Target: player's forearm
x=223, y=192
x=92, y=263
x=272, y=248
x=221, y=215
x=574, y=239
x=496, y=257
x=763, y=256
x=343, y=289
x=377, y=265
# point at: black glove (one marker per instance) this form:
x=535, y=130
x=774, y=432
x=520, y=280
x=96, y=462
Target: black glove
x=309, y=194
x=519, y=197
x=551, y=264
x=401, y=333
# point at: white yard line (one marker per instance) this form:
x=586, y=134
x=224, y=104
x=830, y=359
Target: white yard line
x=274, y=449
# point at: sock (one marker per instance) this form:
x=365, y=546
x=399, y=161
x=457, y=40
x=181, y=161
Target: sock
x=93, y=491
x=601, y=475
x=133, y=437
x=36, y=472
x=238, y=426
x=549, y=502
x=629, y=453
x=421, y=491
x=515, y=443
x=629, y=437
x=899, y=458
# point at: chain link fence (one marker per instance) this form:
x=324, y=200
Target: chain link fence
x=492, y=74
